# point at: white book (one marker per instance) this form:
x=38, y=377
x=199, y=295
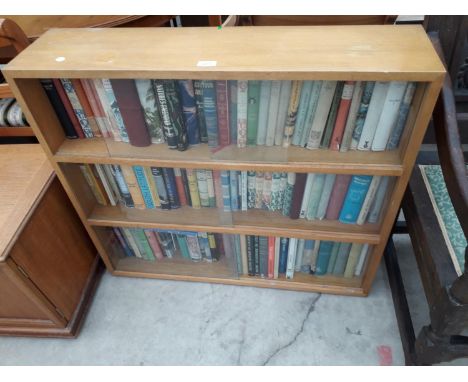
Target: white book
x=325, y=198
x=373, y=115
x=306, y=196
x=362, y=260
x=291, y=263
x=321, y=114
x=314, y=98
x=243, y=187
x=273, y=112
x=112, y=123
x=389, y=115
x=366, y=205
x=112, y=198
x=112, y=181
x=277, y=256
x=210, y=185
x=299, y=255
x=379, y=200
x=352, y=114
x=314, y=256
x=285, y=94
x=243, y=248
x=265, y=89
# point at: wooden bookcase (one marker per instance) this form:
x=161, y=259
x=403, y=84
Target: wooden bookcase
x=378, y=53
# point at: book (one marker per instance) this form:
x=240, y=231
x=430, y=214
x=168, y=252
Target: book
x=95, y=104
x=379, y=199
x=203, y=188
x=306, y=197
x=291, y=258
x=90, y=179
x=299, y=255
x=244, y=257
x=224, y=135
x=218, y=189
x=276, y=201
x=104, y=99
x=213, y=248
x=250, y=241
x=370, y=196
x=304, y=99
x=211, y=190
x=316, y=193
x=312, y=108
x=353, y=259
x=257, y=255
x=193, y=247
x=389, y=115
x=339, y=190
x=68, y=108
x=273, y=107
x=263, y=255
x=307, y=256
x=180, y=187
x=171, y=187
x=132, y=184
x=144, y=186
x=226, y=188
x=291, y=115
x=185, y=183
x=403, y=112
x=271, y=256
x=265, y=89
x=122, y=185
x=362, y=113
x=242, y=110
x=111, y=195
x=131, y=241
x=298, y=193
x=142, y=243
x=277, y=257
x=323, y=257
x=253, y=104
x=205, y=246
x=161, y=188
x=167, y=246
x=283, y=186
x=324, y=103
x=283, y=255
x=352, y=115
x=183, y=246
x=266, y=190
x=174, y=108
x=232, y=98
x=373, y=115
x=251, y=192
x=198, y=93
x=237, y=250
x=170, y=133
x=125, y=246
x=154, y=244
x=258, y=189
x=122, y=131
x=130, y=108
x=243, y=190
x=193, y=188
x=325, y=196
x=333, y=256
x=285, y=95
x=361, y=260
x=189, y=110
x=342, y=115
x=234, y=190
x=152, y=186
x=288, y=194
x=341, y=259
x=86, y=107
x=332, y=114
x=77, y=108
x=354, y=199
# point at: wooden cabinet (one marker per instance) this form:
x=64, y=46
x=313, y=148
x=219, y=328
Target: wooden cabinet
x=48, y=264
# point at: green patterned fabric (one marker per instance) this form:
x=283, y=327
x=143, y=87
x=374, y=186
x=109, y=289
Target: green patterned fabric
x=448, y=221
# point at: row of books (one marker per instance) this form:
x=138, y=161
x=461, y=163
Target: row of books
x=347, y=198
x=335, y=115
x=11, y=114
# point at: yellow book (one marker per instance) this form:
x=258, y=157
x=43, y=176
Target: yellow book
x=193, y=188
x=152, y=186
x=133, y=187
x=93, y=184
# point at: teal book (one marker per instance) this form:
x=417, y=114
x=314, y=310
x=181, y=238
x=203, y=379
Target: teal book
x=265, y=89
x=333, y=256
x=238, y=252
x=253, y=103
x=315, y=194
x=323, y=258
x=144, y=186
x=341, y=259
x=184, y=250
x=142, y=243
x=327, y=133
x=354, y=198
x=302, y=112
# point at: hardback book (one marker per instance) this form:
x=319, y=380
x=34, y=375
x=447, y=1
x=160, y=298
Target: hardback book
x=266, y=190
x=171, y=187
x=218, y=188
x=325, y=197
x=403, y=112
x=131, y=111
x=180, y=186
x=193, y=247
x=307, y=195
x=288, y=194
x=108, y=103
x=276, y=201
x=304, y=101
x=154, y=244
x=353, y=259
x=213, y=248
x=189, y=110
x=124, y=192
x=307, y=256
x=299, y=255
x=174, y=108
x=144, y=186
x=339, y=190
x=271, y=257
x=332, y=114
x=205, y=246
x=257, y=255
x=325, y=100
x=283, y=185
x=389, y=115
x=263, y=255
x=251, y=193
x=97, y=191
x=226, y=187
x=258, y=189
x=370, y=196
x=126, y=248
x=152, y=186
x=185, y=183
x=312, y=108
x=132, y=184
x=106, y=84
x=237, y=250
x=193, y=187
x=362, y=260
x=169, y=130
x=101, y=182
x=203, y=188
x=222, y=109
x=59, y=108
x=142, y=243
x=265, y=89
x=273, y=107
x=242, y=108
x=243, y=190
x=283, y=255
x=68, y=108
x=103, y=112
x=373, y=115
x=316, y=193
x=354, y=199
x=161, y=187
x=285, y=95
x=253, y=104
x=362, y=113
x=342, y=115
x=211, y=190
x=198, y=93
x=95, y=104
x=234, y=189
x=244, y=257
x=292, y=112
x=323, y=257
x=379, y=199
x=250, y=241
x=341, y=259
x=77, y=108
x=291, y=262
x=111, y=194
x=86, y=107
x=131, y=241
x=298, y=193
x=333, y=256
x=232, y=98
x=183, y=247
x=352, y=115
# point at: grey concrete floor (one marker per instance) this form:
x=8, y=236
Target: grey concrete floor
x=153, y=322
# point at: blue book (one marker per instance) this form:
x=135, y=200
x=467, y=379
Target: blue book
x=171, y=188
x=126, y=248
x=354, y=198
x=226, y=188
x=232, y=97
x=323, y=257
x=234, y=190
x=211, y=114
x=189, y=109
x=144, y=186
x=283, y=260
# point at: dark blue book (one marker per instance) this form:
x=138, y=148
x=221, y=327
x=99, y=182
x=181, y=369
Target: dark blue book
x=189, y=109
x=126, y=248
x=323, y=257
x=211, y=114
x=233, y=179
x=283, y=260
x=250, y=255
x=198, y=92
x=171, y=187
x=257, y=255
x=125, y=195
x=161, y=187
x=354, y=198
x=232, y=98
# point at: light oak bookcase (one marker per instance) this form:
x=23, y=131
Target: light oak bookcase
x=375, y=53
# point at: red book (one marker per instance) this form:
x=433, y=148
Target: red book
x=298, y=194
x=342, y=115
x=68, y=107
x=154, y=244
x=223, y=113
x=80, y=93
x=218, y=189
x=271, y=256
x=340, y=188
x=180, y=187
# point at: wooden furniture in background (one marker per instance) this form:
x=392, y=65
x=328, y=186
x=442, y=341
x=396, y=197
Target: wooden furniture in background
x=48, y=264
x=379, y=53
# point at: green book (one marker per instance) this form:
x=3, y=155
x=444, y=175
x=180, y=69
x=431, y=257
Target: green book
x=142, y=243
x=333, y=256
x=315, y=195
x=323, y=258
x=183, y=246
x=341, y=259
x=253, y=103
x=332, y=116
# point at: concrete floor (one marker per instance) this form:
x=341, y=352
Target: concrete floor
x=153, y=322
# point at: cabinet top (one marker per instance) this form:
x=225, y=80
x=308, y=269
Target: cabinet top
x=376, y=52
x=24, y=177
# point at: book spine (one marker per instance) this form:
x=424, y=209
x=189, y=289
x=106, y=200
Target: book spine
x=370, y=196
x=154, y=244
x=333, y=257
x=292, y=112
x=316, y=193
x=354, y=199
x=103, y=98
x=250, y=255
x=113, y=198
x=312, y=109
x=86, y=107
x=131, y=241
x=98, y=113
x=122, y=185
x=263, y=256
x=352, y=115
x=285, y=95
x=144, y=186
x=243, y=190
x=297, y=195
x=362, y=114
x=223, y=113
x=171, y=187
x=273, y=107
x=185, y=183
x=203, y=188
x=257, y=255
x=183, y=246
x=251, y=193
x=109, y=174
x=291, y=258
x=161, y=187
x=142, y=243
x=106, y=84
x=299, y=255
x=403, y=112
x=205, y=246
x=271, y=257
x=180, y=187
x=77, y=108
x=169, y=131
x=193, y=187
x=234, y=190
x=132, y=184
x=342, y=115
x=218, y=187
x=226, y=187
x=259, y=189
x=242, y=109
x=306, y=197
x=266, y=190
x=275, y=198
x=323, y=257
x=126, y=248
x=283, y=185
x=339, y=190
x=89, y=177
x=68, y=107
x=189, y=110
x=193, y=248
x=265, y=88
x=211, y=190
x=288, y=194
x=211, y=115
x=306, y=257
x=283, y=261
x=325, y=197
x=353, y=259
x=302, y=109
x=244, y=256
x=376, y=208
x=253, y=104
x=361, y=260
x=174, y=107
x=232, y=110
x=331, y=119
x=150, y=110
x=198, y=92
x=213, y=248
x=102, y=106
x=152, y=186
x=277, y=257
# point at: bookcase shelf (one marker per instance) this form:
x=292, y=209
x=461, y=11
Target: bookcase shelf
x=343, y=53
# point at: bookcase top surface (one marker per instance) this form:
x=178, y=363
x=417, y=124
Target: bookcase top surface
x=378, y=52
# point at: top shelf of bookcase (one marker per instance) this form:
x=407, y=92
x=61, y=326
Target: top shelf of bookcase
x=261, y=53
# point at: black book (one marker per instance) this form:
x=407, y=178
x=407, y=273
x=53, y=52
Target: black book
x=198, y=90
x=161, y=187
x=185, y=183
x=257, y=255
x=250, y=255
x=263, y=255
x=171, y=188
